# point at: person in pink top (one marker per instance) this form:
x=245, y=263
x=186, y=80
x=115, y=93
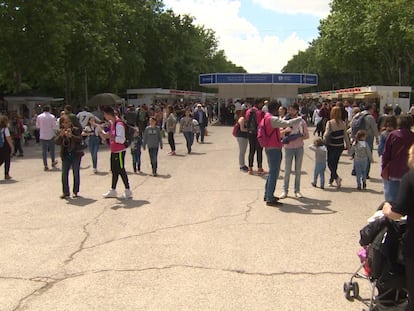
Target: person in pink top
x=254, y=146
x=117, y=138
x=294, y=149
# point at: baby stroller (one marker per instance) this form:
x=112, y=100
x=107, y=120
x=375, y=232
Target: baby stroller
x=382, y=265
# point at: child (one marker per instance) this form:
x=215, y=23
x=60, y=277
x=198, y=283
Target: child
x=362, y=153
x=136, y=145
x=390, y=124
x=320, y=161
x=196, y=127
x=152, y=138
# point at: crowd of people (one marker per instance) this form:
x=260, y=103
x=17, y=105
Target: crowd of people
x=132, y=128
x=339, y=126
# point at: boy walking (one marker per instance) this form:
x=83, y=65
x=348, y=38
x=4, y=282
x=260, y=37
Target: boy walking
x=136, y=145
x=116, y=137
x=152, y=138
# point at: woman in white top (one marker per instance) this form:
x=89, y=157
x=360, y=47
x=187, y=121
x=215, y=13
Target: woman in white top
x=92, y=133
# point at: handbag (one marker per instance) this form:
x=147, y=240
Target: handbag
x=385, y=173
x=236, y=129
x=82, y=145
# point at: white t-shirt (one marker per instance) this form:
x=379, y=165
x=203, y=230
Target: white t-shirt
x=84, y=117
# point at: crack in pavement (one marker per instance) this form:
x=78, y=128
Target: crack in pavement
x=237, y=271
x=50, y=284
x=38, y=279
x=250, y=207
x=41, y=290
x=163, y=229
x=86, y=237
x=87, y=234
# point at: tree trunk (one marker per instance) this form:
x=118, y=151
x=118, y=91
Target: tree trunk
x=68, y=87
x=18, y=81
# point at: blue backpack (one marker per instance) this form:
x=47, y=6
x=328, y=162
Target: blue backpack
x=358, y=124
x=2, y=138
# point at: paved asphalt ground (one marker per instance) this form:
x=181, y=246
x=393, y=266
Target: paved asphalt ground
x=198, y=237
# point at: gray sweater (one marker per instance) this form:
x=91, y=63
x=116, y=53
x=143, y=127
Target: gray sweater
x=320, y=153
x=152, y=137
x=361, y=151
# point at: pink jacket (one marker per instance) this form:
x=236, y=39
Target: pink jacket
x=275, y=141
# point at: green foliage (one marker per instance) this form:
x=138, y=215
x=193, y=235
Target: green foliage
x=362, y=42
x=58, y=47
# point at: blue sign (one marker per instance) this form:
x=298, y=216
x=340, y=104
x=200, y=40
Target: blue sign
x=260, y=78
x=310, y=79
x=287, y=79
x=207, y=79
x=230, y=78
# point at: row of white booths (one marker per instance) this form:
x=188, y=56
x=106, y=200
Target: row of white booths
x=378, y=94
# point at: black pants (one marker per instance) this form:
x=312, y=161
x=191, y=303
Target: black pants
x=409, y=272
x=334, y=154
x=254, y=147
x=17, y=146
x=171, y=140
x=118, y=169
x=5, y=158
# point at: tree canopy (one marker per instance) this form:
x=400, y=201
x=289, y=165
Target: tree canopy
x=362, y=42
x=59, y=47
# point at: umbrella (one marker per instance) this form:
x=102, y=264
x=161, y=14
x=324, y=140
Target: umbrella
x=105, y=99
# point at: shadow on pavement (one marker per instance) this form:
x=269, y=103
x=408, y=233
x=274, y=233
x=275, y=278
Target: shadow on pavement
x=129, y=204
x=80, y=201
x=307, y=206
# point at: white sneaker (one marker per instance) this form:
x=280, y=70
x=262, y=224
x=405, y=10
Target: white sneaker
x=95, y=171
x=110, y=194
x=298, y=195
x=338, y=182
x=127, y=194
x=283, y=195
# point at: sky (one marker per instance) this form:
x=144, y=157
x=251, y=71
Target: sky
x=259, y=35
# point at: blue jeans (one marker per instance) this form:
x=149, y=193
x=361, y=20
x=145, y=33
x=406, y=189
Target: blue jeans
x=189, y=138
x=274, y=157
x=153, y=153
x=48, y=144
x=391, y=188
x=202, y=131
x=70, y=161
x=136, y=159
x=370, y=142
x=93, y=144
x=296, y=153
x=361, y=171
x=319, y=171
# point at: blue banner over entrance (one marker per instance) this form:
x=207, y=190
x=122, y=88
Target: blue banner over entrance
x=213, y=79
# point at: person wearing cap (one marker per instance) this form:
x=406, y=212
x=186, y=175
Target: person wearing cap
x=201, y=118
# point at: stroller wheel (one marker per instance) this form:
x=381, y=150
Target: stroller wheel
x=347, y=290
x=355, y=289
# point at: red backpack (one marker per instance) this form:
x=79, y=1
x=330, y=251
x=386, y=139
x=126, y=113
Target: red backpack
x=262, y=136
x=236, y=128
